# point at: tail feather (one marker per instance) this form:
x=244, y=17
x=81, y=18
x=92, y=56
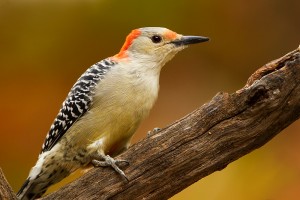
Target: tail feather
x=23, y=187
x=35, y=187
x=30, y=190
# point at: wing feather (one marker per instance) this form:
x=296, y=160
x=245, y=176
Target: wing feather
x=77, y=102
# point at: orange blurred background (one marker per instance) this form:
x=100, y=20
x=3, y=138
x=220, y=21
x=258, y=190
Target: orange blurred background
x=46, y=45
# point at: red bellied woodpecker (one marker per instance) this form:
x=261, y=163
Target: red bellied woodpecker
x=104, y=108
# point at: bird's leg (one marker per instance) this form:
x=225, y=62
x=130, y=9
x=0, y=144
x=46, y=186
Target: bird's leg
x=102, y=160
x=155, y=130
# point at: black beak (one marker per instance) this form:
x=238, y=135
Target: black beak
x=186, y=40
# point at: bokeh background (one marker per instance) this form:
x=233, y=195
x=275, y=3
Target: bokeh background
x=46, y=45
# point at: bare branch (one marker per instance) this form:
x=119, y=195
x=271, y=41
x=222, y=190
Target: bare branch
x=5, y=190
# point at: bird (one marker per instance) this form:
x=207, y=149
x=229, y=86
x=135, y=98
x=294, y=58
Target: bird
x=104, y=108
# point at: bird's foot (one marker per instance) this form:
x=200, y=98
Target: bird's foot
x=107, y=161
x=155, y=130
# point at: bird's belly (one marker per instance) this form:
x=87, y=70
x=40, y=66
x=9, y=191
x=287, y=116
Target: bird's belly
x=115, y=129
x=107, y=128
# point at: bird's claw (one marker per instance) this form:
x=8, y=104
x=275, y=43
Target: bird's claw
x=109, y=161
x=155, y=130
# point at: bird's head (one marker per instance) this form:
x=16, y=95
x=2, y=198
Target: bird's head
x=155, y=44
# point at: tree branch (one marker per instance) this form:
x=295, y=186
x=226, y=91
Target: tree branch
x=5, y=190
x=208, y=139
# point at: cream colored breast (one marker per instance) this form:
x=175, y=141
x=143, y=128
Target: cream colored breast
x=122, y=100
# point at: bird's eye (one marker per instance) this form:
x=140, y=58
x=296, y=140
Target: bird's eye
x=156, y=39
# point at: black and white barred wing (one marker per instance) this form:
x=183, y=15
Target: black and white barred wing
x=77, y=102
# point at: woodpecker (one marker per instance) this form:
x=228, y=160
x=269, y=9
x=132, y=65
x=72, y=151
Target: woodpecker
x=104, y=108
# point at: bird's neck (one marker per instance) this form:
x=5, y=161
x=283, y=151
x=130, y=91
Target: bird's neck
x=141, y=64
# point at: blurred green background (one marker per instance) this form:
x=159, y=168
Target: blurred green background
x=46, y=45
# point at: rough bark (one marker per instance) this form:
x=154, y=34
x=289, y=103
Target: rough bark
x=5, y=190
x=206, y=140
